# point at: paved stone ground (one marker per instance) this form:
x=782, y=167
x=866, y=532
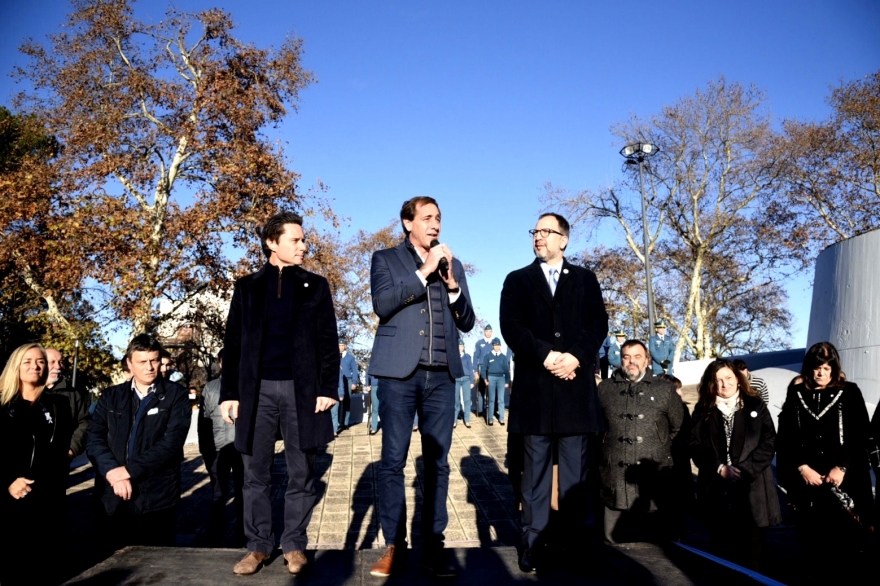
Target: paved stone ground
x=481, y=512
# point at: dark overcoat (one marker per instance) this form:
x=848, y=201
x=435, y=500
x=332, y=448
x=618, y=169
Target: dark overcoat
x=752, y=445
x=315, y=356
x=155, y=465
x=641, y=421
x=35, y=439
x=840, y=437
x=534, y=322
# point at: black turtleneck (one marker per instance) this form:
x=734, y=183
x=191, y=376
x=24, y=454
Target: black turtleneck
x=275, y=356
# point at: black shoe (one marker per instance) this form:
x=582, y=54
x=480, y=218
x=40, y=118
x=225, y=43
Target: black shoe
x=500, y=422
x=527, y=560
x=467, y=425
x=440, y=563
x=491, y=423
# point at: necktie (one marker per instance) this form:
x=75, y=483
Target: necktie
x=553, y=280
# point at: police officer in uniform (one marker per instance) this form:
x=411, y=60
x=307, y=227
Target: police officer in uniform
x=662, y=349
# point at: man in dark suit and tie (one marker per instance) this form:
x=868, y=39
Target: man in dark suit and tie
x=553, y=317
x=280, y=373
x=421, y=297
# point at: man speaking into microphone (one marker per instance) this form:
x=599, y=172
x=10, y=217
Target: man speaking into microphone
x=421, y=297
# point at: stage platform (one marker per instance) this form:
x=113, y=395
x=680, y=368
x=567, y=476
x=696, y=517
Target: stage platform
x=632, y=564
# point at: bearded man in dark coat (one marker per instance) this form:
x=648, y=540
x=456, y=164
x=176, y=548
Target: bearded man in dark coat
x=553, y=318
x=642, y=414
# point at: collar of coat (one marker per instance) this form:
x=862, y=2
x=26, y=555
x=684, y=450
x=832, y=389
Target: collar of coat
x=260, y=279
x=536, y=274
x=618, y=376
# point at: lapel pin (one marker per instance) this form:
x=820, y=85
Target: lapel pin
x=564, y=271
x=305, y=284
x=754, y=413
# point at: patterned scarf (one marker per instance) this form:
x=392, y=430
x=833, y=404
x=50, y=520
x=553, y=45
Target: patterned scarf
x=728, y=408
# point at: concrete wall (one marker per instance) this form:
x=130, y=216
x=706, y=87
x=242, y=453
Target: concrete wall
x=846, y=309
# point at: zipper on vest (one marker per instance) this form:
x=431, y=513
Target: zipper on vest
x=430, y=327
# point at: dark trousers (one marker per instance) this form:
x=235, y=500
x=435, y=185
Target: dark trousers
x=276, y=410
x=222, y=465
x=479, y=396
x=341, y=411
x=430, y=394
x=537, y=483
x=374, y=407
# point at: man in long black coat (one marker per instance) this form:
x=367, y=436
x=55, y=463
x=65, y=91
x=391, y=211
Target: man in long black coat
x=553, y=317
x=280, y=372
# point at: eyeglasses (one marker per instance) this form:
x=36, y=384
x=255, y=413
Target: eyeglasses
x=544, y=232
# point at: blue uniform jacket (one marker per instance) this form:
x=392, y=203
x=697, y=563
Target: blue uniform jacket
x=348, y=369
x=614, y=354
x=494, y=366
x=661, y=350
x=468, y=366
x=481, y=348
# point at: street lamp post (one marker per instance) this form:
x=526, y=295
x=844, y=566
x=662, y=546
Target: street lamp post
x=636, y=153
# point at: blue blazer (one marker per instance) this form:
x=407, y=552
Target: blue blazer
x=401, y=302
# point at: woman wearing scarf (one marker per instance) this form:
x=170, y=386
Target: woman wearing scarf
x=823, y=465
x=732, y=444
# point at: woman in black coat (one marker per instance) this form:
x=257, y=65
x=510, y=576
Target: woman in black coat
x=34, y=440
x=732, y=444
x=822, y=463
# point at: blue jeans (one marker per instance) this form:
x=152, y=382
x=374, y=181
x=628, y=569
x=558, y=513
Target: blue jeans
x=463, y=395
x=428, y=394
x=496, y=390
x=335, y=417
x=374, y=407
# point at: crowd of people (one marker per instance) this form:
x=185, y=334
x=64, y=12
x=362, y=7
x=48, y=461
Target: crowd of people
x=616, y=428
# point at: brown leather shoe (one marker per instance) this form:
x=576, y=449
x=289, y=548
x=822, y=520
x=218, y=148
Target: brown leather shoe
x=250, y=564
x=296, y=561
x=385, y=565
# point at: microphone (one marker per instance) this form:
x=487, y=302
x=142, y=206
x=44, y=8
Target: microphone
x=444, y=264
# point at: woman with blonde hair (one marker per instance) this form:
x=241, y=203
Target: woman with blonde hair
x=34, y=439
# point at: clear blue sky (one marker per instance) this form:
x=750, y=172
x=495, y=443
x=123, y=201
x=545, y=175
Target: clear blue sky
x=478, y=104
